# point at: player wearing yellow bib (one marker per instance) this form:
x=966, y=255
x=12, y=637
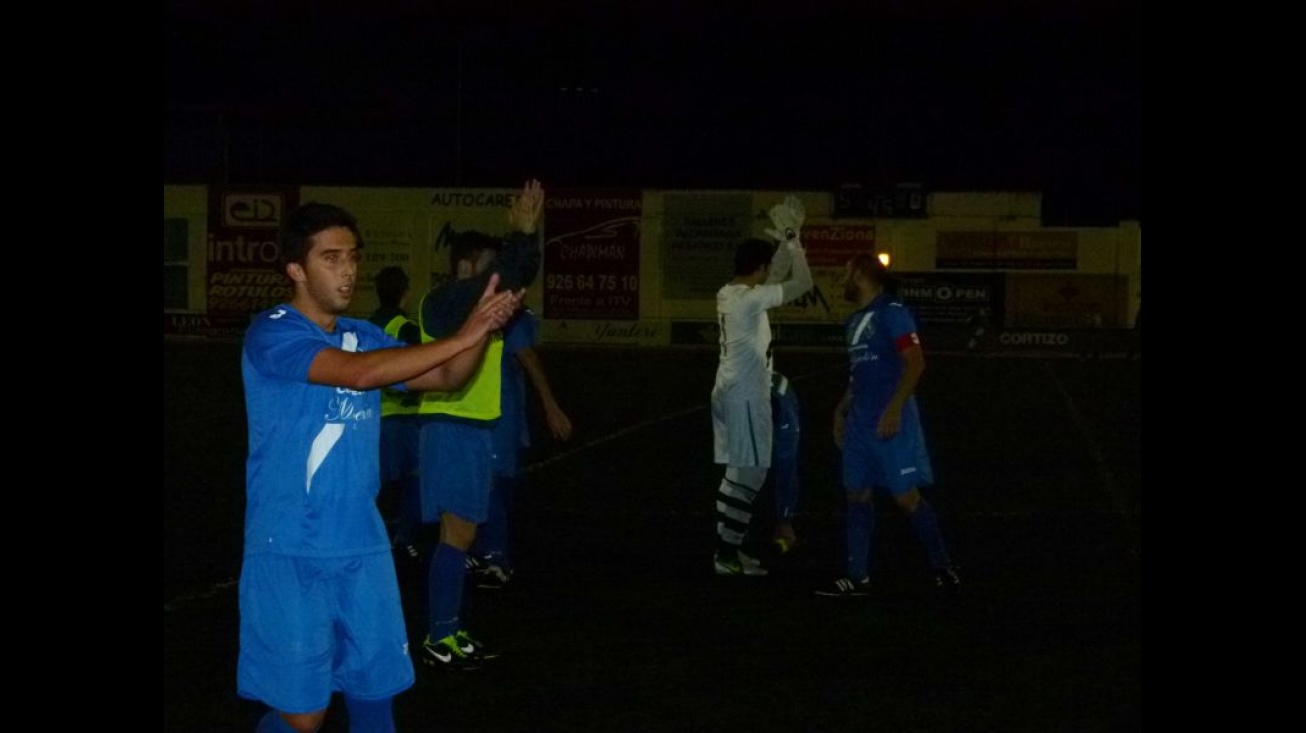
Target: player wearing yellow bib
x=457, y=454
x=399, y=422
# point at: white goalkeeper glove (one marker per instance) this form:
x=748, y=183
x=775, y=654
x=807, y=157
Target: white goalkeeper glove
x=787, y=218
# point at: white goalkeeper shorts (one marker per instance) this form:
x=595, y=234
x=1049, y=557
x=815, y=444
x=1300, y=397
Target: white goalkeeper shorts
x=741, y=429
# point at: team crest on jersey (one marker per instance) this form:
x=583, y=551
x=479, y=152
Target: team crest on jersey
x=864, y=326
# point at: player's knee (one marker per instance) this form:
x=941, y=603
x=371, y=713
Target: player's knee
x=751, y=476
x=456, y=531
x=862, y=496
x=305, y=722
x=909, y=501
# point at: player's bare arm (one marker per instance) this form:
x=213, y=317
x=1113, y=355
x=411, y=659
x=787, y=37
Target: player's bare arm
x=375, y=369
x=913, y=365
x=559, y=423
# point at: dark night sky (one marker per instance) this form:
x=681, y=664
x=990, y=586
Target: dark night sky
x=1037, y=95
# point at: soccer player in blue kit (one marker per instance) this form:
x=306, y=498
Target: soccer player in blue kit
x=878, y=427
x=786, y=417
x=319, y=600
x=490, y=558
x=399, y=423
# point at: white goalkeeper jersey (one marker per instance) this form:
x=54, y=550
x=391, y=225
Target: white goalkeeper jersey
x=744, y=368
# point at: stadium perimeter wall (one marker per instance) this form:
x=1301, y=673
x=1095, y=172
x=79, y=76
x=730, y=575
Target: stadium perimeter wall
x=640, y=267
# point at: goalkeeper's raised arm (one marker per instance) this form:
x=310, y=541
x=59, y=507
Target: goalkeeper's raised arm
x=790, y=260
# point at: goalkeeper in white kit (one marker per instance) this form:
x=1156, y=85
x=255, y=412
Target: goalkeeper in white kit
x=766, y=276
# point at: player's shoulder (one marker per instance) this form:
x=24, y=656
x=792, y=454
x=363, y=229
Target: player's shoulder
x=739, y=291
x=277, y=318
x=897, y=308
x=276, y=327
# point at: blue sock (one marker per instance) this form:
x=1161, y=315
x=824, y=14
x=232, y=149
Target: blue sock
x=926, y=523
x=445, y=587
x=272, y=722
x=370, y=716
x=859, y=533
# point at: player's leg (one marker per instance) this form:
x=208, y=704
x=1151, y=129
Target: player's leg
x=909, y=468
x=784, y=464
x=493, y=542
x=860, y=471
x=925, y=523
x=406, y=430
x=407, y=529
x=492, y=538
x=370, y=716
x=859, y=546
x=372, y=662
x=734, y=508
x=742, y=430
x=286, y=641
x=457, y=468
x=276, y=722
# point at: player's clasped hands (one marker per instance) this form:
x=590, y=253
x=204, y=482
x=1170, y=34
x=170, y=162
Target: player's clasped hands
x=494, y=309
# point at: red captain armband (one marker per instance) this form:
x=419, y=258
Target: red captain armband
x=907, y=340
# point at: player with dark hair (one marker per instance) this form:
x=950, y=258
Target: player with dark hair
x=319, y=601
x=399, y=422
x=491, y=555
x=786, y=418
x=457, y=448
x=878, y=427
x=741, y=397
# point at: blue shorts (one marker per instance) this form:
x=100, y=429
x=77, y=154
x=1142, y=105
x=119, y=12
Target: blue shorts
x=786, y=417
x=786, y=420
x=399, y=439
x=899, y=464
x=312, y=626
x=457, y=463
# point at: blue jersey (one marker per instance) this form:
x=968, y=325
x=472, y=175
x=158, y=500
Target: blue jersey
x=313, y=471
x=522, y=332
x=875, y=335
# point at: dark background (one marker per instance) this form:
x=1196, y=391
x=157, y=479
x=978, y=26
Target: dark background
x=805, y=95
